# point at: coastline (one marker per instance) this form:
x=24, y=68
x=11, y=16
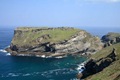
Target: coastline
x=44, y=43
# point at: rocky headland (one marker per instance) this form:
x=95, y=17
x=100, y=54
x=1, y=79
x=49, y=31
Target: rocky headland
x=105, y=64
x=110, y=39
x=52, y=42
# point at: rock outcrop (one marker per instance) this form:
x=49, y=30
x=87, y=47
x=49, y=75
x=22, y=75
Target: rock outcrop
x=53, y=41
x=94, y=66
x=111, y=38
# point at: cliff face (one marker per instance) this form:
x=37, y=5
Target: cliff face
x=94, y=66
x=53, y=41
x=111, y=38
x=104, y=65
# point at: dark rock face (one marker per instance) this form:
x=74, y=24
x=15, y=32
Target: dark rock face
x=13, y=47
x=94, y=66
x=45, y=47
x=111, y=38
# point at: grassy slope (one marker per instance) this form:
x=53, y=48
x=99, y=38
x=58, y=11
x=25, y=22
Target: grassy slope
x=113, y=35
x=56, y=35
x=112, y=72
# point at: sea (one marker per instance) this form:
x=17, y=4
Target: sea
x=36, y=68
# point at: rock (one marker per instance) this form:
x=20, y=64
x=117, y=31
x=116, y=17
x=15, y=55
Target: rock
x=79, y=44
x=93, y=66
x=79, y=76
x=13, y=47
x=48, y=40
x=111, y=38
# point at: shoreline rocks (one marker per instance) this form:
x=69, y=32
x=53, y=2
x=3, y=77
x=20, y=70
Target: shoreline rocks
x=81, y=42
x=93, y=66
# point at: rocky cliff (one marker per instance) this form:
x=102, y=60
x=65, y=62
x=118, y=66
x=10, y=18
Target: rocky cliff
x=53, y=42
x=104, y=65
x=111, y=38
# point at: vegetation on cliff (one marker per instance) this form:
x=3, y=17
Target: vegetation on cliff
x=62, y=40
x=111, y=38
x=32, y=36
x=104, y=65
x=112, y=71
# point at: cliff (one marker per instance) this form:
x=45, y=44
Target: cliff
x=108, y=61
x=104, y=65
x=111, y=38
x=53, y=42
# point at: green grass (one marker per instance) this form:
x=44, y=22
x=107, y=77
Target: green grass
x=104, y=52
x=30, y=28
x=110, y=72
x=27, y=37
x=112, y=35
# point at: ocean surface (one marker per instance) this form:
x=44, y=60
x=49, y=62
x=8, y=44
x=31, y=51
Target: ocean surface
x=34, y=68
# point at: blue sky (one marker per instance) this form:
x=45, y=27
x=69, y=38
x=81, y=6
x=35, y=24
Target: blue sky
x=88, y=13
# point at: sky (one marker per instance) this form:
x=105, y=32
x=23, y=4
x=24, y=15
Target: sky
x=88, y=13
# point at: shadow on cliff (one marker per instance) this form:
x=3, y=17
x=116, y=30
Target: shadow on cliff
x=95, y=66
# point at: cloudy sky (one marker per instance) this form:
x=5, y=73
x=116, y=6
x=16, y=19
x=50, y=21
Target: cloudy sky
x=88, y=13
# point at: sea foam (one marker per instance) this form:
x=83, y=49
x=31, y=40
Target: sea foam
x=2, y=50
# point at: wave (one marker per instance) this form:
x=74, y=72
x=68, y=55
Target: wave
x=81, y=67
x=59, y=57
x=16, y=74
x=2, y=50
x=47, y=74
x=43, y=56
x=26, y=74
x=75, y=79
x=56, y=72
x=8, y=54
x=12, y=75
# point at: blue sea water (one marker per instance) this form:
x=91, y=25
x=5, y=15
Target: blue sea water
x=34, y=68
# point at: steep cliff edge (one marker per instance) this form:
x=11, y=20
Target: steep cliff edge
x=104, y=65
x=53, y=41
x=108, y=61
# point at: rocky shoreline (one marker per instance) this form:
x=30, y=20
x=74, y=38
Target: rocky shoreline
x=95, y=65
x=81, y=42
x=39, y=42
